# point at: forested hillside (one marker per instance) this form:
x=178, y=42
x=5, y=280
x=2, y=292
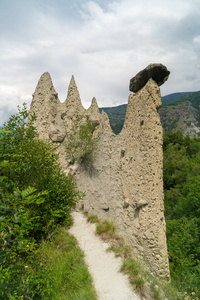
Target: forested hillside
x=182, y=114
x=116, y=116
x=182, y=209
x=173, y=97
x=179, y=111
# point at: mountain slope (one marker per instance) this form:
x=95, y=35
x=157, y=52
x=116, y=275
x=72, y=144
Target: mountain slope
x=180, y=111
x=182, y=114
x=116, y=116
x=172, y=97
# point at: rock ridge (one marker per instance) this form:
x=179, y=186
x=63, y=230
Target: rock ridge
x=125, y=182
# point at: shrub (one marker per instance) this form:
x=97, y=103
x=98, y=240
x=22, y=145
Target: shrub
x=35, y=197
x=81, y=144
x=32, y=180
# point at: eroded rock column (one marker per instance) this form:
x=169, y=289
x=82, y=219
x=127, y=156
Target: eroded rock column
x=142, y=179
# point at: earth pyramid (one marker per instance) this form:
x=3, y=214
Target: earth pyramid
x=125, y=181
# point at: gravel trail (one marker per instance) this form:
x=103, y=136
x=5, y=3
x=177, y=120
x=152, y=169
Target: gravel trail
x=104, y=267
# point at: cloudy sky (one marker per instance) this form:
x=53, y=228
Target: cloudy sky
x=103, y=43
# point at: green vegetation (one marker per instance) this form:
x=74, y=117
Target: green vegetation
x=120, y=248
x=189, y=107
x=106, y=229
x=173, y=97
x=170, y=124
x=55, y=270
x=93, y=219
x=192, y=97
x=81, y=144
x=116, y=116
x=182, y=209
x=38, y=260
x=136, y=273
x=64, y=266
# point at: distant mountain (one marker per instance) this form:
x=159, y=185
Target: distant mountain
x=172, y=97
x=182, y=114
x=116, y=116
x=180, y=111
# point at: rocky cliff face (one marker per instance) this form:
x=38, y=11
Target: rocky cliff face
x=183, y=117
x=125, y=182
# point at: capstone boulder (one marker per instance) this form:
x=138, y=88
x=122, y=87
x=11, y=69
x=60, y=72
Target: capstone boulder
x=157, y=72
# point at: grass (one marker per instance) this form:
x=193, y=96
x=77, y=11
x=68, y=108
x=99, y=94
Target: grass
x=120, y=250
x=55, y=270
x=93, y=219
x=106, y=229
x=69, y=278
x=155, y=291
x=135, y=272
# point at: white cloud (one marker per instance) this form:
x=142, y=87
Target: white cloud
x=103, y=43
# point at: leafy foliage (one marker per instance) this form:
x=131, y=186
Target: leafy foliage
x=182, y=209
x=35, y=197
x=81, y=144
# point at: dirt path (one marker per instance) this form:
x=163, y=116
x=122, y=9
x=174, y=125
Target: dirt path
x=103, y=266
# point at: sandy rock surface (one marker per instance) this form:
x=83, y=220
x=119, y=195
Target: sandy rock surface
x=124, y=182
x=104, y=267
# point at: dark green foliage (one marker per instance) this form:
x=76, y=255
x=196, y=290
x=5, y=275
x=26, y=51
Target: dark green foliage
x=35, y=197
x=182, y=209
x=173, y=97
x=116, y=116
x=192, y=97
x=117, y=128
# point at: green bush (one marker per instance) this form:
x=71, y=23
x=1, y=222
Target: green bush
x=29, y=165
x=35, y=198
x=81, y=144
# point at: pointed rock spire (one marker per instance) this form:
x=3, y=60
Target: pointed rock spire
x=73, y=97
x=45, y=103
x=44, y=89
x=93, y=109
